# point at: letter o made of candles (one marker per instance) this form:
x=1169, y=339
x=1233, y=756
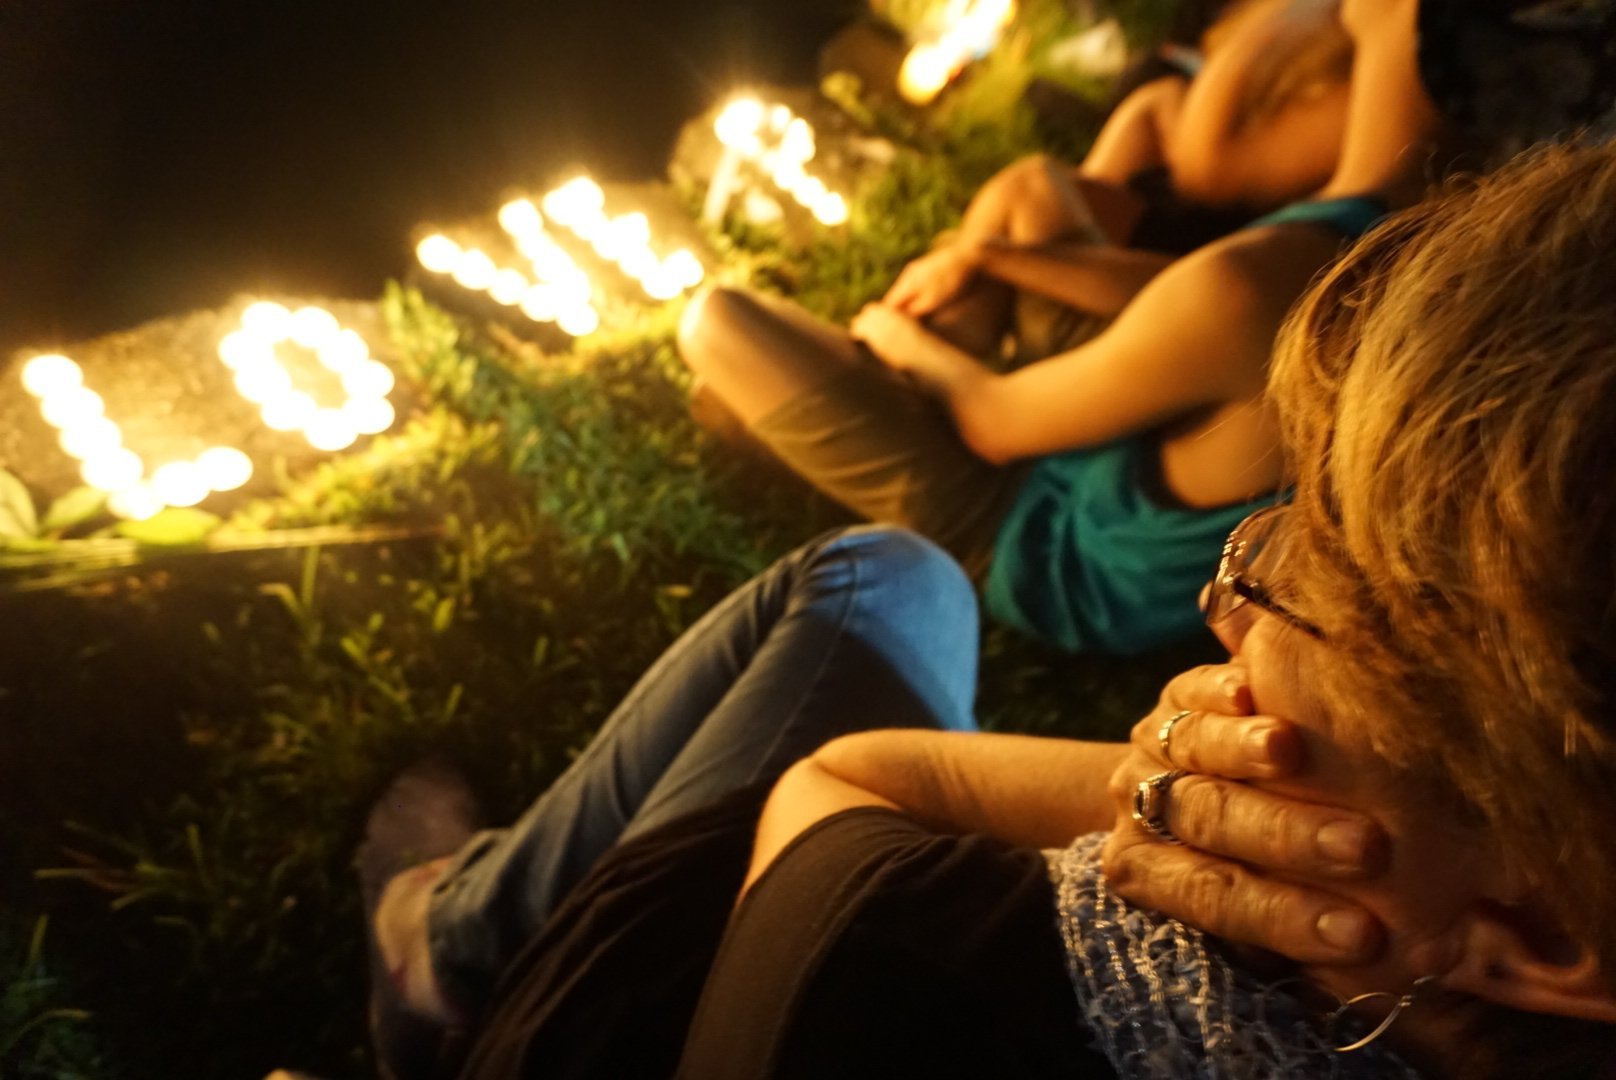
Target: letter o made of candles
x=253, y=354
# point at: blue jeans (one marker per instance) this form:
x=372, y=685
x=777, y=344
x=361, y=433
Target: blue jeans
x=867, y=628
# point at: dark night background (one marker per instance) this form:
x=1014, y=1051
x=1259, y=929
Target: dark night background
x=160, y=156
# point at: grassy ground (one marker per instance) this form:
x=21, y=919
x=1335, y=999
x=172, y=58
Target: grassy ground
x=188, y=747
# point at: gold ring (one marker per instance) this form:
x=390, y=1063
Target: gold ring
x=1165, y=733
x=1150, y=805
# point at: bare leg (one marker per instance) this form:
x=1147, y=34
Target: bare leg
x=1135, y=137
x=844, y=423
x=758, y=352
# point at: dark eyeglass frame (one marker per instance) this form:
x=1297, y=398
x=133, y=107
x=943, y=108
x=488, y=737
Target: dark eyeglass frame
x=1233, y=585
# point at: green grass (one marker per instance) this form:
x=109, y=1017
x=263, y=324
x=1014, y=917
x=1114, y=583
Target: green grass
x=42, y=1035
x=190, y=746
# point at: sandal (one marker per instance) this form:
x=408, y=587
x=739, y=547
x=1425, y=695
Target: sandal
x=427, y=813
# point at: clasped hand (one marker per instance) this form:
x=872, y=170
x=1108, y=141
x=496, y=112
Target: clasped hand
x=1234, y=835
x=901, y=343
x=932, y=280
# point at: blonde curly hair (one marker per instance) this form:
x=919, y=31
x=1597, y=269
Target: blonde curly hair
x=1448, y=398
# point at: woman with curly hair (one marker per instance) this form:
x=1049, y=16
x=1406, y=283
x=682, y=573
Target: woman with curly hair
x=1402, y=779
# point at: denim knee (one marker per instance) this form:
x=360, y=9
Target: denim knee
x=908, y=601
x=896, y=555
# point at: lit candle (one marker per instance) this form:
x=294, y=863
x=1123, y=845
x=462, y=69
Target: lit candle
x=224, y=468
x=737, y=127
x=180, y=483
x=97, y=442
x=113, y=471
x=263, y=379
x=558, y=286
x=970, y=29
x=45, y=375
x=136, y=503
x=579, y=205
x=783, y=158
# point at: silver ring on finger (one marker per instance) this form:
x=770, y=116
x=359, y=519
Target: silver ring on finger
x=1164, y=734
x=1150, y=799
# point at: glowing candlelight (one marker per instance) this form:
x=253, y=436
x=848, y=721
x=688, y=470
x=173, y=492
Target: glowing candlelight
x=741, y=127
x=736, y=126
x=345, y=350
x=520, y=217
x=179, y=483
x=113, y=470
x=684, y=265
x=223, y=468
x=561, y=285
x=72, y=406
x=970, y=29
x=579, y=321
x=136, y=503
x=926, y=70
x=368, y=415
x=578, y=200
x=438, y=253
x=97, y=441
x=262, y=378
x=49, y=374
x=289, y=412
x=265, y=319
x=474, y=270
x=579, y=205
x=312, y=327
x=508, y=287
x=93, y=438
x=330, y=429
x=244, y=348
x=262, y=382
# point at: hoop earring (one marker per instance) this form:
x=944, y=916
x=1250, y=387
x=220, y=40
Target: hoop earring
x=1344, y=1006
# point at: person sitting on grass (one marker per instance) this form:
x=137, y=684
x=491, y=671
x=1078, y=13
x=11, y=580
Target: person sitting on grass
x=1046, y=251
x=1089, y=489
x=1411, y=755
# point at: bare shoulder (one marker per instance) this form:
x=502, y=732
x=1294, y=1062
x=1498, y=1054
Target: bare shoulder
x=1275, y=262
x=1244, y=283
x=1230, y=299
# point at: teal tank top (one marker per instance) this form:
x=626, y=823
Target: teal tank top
x=1087, y=560
x=1351, y=216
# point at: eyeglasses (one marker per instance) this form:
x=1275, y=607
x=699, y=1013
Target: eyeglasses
x=1248, y=549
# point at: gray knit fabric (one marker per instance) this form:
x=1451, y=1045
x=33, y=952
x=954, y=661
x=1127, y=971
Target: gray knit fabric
x=1163, y=1004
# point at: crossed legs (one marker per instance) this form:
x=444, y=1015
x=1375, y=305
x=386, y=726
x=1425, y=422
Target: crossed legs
x=844, y=422
x=862, y=629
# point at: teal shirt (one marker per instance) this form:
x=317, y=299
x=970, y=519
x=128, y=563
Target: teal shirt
x=1087, y=560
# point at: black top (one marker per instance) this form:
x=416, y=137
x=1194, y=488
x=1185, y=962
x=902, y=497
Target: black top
x=1174, y=225
x=871, y=948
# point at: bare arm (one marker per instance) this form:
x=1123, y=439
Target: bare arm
x=1098, y=278
x=1043, y=792
x=1022, y=227
x=1197, y=336
x=1027, y=791
x=1215, y=156
x=1391, y=123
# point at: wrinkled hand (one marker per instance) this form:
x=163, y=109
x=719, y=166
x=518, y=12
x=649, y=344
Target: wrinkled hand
x=1233, y=832
x=932, y=280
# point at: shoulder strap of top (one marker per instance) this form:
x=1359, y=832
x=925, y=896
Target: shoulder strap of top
x=1351, y=216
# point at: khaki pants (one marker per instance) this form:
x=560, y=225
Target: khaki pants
x=868, y=439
